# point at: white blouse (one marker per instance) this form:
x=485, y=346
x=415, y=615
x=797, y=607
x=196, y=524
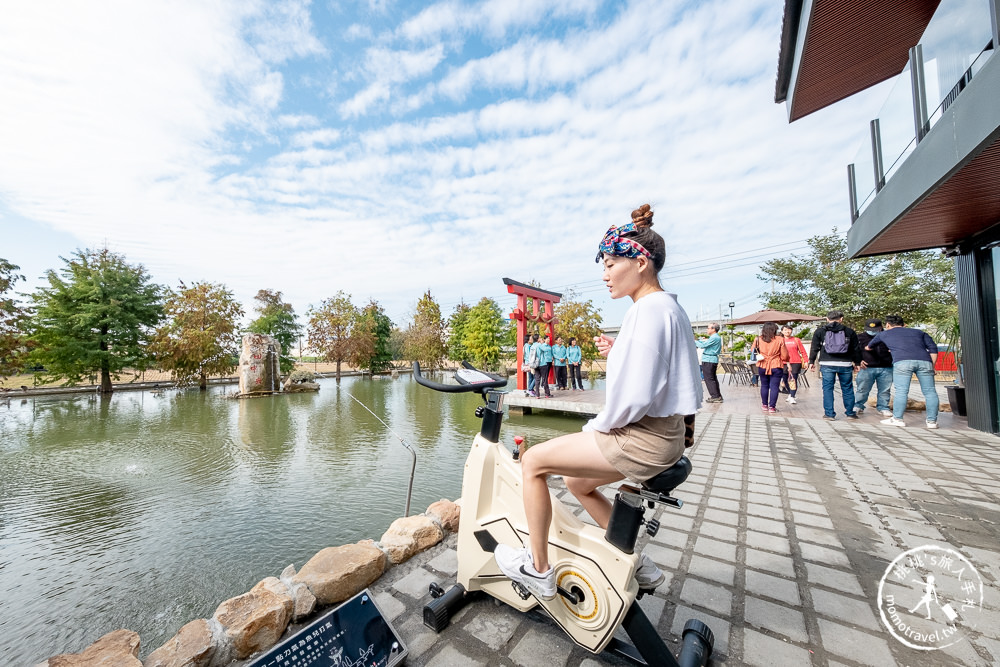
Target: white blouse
x=652, y=366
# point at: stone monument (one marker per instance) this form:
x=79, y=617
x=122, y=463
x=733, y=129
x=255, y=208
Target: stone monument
x=260, y=372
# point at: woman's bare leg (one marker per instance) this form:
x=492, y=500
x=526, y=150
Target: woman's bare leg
x=574, y=456
x=586, y=490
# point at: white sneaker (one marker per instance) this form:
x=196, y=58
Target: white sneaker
x=931, y=424
x=886, y=413
x=518, y=565
x=892, y=421
x=791, y=399
x=647, y=575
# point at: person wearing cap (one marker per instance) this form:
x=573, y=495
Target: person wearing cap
x=876, y=369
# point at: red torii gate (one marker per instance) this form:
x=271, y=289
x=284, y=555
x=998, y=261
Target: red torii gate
x=543, y=310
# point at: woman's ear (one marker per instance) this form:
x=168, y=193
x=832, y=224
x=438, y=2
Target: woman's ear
x=643, y=263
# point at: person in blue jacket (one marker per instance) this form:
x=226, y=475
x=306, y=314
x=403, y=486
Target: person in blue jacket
x=543, y=353
x=559, y=360
x=574, y=355
x=711, y=347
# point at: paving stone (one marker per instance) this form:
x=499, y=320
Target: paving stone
x=858, y=646
x=768, y=562
x=767, y=525
x=673, y=521
x=724, y=517
x=842, y=608
x=722, y=492
x=416, y=583
x=719, y=627
x=665, y=558
x=836, y=579
x=709, y=596
x=450, y=656
x=445, y=563
x=807, y=496
x=541, y=649
x=812, y=508
x=723, y=503
x=389, y=605
x=709, y=568
x=776, y=618
x=494, y=625
x=718, y=531
x=768, y=542
x=763, y=499
x=667, y=536
x=763, y=651
x=817, y=536
x=824, y=555
x=653, y=605
x=812, y=520
x=417, y=637
x=716, y=549
x=766, y=585
x=768, y=511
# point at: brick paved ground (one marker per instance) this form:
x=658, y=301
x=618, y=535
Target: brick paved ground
x=788, y=527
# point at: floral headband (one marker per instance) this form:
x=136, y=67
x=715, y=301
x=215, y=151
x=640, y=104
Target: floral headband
x=615, y=244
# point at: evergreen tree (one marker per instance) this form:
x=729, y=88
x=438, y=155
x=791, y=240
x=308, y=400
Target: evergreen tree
x=425, y=337
x=277, y=319
x=201, y=336
x=484, y=333
x=456, y=327
x=97, y=317
x=918, y=286
x=13, y=320
x=330, y=328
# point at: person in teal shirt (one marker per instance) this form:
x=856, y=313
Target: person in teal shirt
x=573, y=357
x=543, y=352
x=559, y=359
x=530, y=372
x=711, y=348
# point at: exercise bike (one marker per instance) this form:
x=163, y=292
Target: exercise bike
x=594, y=568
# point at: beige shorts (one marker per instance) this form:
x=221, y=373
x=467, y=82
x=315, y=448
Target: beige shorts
x=645, y=448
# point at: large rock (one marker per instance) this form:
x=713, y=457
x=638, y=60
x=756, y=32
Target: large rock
x=259, y=368
x=305, y=601
x=447, y=514
x=115, y=649
x=192, y=646
x=254, y=621
x=408, y=536
x=337, y=573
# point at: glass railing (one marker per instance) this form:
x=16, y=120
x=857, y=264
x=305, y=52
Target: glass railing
x=952, y=41
x=896, y=125
x=864, y=175
x=955, y=45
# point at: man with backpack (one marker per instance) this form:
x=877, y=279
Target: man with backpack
x=839, y=355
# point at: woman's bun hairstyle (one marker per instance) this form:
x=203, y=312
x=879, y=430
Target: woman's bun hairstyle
x=650, y=240
x=643, y=216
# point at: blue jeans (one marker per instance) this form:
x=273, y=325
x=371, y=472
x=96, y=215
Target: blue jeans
x=902, y=373
x=830, y=375
x=881, y=378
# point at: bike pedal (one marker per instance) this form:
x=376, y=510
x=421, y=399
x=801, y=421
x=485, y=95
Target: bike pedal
x=521, y=591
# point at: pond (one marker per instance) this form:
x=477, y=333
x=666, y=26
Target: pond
x=146, y=510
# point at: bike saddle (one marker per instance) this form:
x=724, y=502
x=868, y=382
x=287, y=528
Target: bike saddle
x=669, y=479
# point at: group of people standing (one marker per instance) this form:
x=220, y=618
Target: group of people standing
x=779, y=360
x=881, y=357
x=540, y=357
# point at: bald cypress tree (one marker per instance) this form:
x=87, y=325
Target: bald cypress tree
x=95, y=317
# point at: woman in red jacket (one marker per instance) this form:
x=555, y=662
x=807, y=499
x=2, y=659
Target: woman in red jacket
x=796, y=357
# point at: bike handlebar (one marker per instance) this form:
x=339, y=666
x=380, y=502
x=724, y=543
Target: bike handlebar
x=469, y=378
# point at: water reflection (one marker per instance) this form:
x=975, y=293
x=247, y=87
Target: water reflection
x=146, y=510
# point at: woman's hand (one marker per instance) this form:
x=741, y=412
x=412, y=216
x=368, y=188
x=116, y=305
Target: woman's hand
x=603, y=344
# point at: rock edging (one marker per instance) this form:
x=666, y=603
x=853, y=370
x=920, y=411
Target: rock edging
x=257, y=620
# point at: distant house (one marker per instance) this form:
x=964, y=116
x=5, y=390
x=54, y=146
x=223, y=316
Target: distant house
x=930, y=175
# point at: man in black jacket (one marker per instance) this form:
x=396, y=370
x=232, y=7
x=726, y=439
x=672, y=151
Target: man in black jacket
x=839, y=354
x=876, y=369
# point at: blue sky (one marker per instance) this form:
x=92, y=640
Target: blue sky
x=387, y=148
